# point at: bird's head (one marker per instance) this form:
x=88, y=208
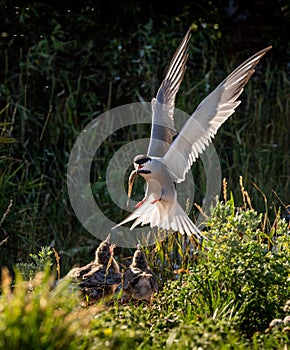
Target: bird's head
x=104, y=252
x=139, y=259
x=143, y=164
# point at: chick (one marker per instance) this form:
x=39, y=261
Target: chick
x=139, y=282
x=99, y=278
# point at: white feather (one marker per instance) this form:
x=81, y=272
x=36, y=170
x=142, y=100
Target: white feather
x=211, y=113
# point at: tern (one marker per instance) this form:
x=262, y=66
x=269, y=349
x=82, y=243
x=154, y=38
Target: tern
x=170, y=155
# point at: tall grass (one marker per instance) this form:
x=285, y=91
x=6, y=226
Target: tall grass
x=223, y=296
x=54, y=84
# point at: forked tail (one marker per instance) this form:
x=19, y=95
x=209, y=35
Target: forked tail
x=163, y=215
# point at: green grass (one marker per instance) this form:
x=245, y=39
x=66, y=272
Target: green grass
x=55, y=79
x=49, y=98
x=222, y=296
x=33, y=316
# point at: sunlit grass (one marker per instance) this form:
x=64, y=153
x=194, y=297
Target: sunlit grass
x=220, y=296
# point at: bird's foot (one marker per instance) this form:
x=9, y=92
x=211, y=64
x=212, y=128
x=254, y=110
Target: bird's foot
x=138, y=205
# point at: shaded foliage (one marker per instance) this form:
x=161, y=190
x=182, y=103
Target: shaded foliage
x=224, y=298
x=64, y=64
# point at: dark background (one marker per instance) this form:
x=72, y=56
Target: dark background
x=62, y=64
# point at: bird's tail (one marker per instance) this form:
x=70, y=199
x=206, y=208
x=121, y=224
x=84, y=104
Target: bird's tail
x=176, y=219
x=163, y=215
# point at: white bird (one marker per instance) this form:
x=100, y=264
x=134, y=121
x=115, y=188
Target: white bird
x=168, y=159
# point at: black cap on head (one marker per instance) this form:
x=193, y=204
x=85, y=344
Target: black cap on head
x=141, y=159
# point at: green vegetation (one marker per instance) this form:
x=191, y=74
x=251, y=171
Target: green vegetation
x=222, y=297
x=61, y=69
x=58, y=75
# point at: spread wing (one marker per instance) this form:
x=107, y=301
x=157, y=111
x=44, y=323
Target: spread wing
x=163, y=129
x=211, y=113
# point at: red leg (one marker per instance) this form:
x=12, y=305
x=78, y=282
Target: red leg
x=156, y=200
x=138, y=205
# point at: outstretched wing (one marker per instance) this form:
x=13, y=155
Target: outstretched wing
x=163, y=129
x=211, y=113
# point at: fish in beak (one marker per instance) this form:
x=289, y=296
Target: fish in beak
x=132, y=176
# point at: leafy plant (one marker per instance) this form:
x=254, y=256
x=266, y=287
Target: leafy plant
x=57, y=77
x=41, y=261
x=222, y=296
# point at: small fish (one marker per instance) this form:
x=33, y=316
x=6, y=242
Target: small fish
x=131, y=180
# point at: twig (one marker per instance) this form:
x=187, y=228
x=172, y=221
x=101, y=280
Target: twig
x=6, y=212
x=266, y=206
x=45, y=123
x=284, y=204
x=4, y=241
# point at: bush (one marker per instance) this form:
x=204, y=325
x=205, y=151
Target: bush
x=223, y=296
x=250, y=264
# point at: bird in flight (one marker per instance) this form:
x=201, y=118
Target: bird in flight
x=170, y=155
